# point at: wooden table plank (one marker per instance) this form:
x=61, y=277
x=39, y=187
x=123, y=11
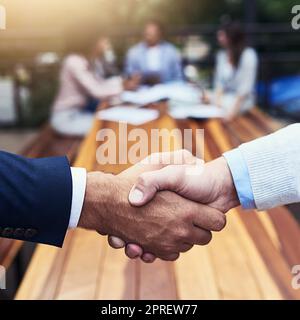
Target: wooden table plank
x=118, y=278
x=82, y=268
x=195, y=276
x=157, y=281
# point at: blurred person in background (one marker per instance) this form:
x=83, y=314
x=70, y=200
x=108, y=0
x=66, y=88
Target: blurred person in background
x=236, y=71
x=84, y=82
x=154, y=59
x=105, y=64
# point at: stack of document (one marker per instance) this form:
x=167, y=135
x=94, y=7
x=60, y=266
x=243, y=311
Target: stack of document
x=128, y=115
x=176, y=92
x=197, y=112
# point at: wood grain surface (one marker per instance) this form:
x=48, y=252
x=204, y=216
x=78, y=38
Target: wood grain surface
x=251, y=259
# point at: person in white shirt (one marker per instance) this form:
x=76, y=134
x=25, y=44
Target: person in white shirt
x=82, y=84
x=154, y=59
x=235, y=73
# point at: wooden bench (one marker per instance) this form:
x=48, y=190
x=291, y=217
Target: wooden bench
x=46, y=144
x=251, y=259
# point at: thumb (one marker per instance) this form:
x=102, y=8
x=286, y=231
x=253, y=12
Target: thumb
x=149, y=183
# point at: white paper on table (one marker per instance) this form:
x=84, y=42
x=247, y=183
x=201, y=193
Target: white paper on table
x=197, y=112
x=129, y=115
x=176, y=91
x=143, y=96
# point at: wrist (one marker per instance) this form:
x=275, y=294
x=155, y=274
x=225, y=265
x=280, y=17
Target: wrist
x=98, y=196
x=223, y=193
x=230, y=196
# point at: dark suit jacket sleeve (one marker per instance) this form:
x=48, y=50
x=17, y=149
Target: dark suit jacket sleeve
x=35, y=198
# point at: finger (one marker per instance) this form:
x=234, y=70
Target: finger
x=149, y=183
x=177, y=157
x=170, y=257
x=186, y=247
x=102, y=233
x=158, y=161
x=148, y=257
x=116, y=243
x=200, y=236
x=209, y=218
x=133, y=251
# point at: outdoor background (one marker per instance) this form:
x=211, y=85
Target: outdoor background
x=33, y=45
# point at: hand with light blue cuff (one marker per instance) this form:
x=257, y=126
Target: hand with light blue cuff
x=260, y=174
x=212, y=186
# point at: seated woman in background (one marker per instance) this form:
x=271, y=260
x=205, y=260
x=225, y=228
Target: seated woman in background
x=82, y=84
x=105, y=64
x=236, y=70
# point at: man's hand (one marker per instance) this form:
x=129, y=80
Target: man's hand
x=164, y=227
x=210, y=184
x=132, y=83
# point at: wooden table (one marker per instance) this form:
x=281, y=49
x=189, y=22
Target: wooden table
x=251, y=259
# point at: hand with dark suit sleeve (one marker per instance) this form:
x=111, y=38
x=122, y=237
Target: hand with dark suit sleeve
x=35, y=198
x=41, y=198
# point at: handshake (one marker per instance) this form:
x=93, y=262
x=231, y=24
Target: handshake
x=159, y=210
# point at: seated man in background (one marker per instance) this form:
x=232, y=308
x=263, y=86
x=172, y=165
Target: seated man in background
x=83, y=82
x=235, y=74
x=154, y=59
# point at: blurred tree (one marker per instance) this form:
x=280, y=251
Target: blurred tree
x=276, y=10
x=112, y=13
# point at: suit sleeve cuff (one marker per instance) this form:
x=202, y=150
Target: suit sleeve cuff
x=241, y=178
x=79, y=186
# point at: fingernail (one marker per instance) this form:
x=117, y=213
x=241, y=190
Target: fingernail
x=136, y=196
x=116, y=243
x=148, y=257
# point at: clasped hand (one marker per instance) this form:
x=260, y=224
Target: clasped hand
x=158, y=209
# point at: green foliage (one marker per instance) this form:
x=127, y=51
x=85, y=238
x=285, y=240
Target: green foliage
x=112, y=13
x=275, y=10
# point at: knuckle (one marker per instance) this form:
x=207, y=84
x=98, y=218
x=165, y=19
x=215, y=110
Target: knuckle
x=142, y=179
x=189, y=216
x=185, y=154
x=183, y=234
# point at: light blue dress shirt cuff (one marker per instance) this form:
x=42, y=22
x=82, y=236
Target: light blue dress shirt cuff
x=241, y=178
x=78, y=193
